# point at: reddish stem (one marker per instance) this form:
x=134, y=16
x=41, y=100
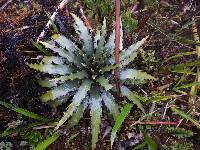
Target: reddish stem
x=117, y=43
x=143, y=23
x=159, y=123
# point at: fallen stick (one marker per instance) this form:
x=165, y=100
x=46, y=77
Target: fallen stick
x=54, y=15
x=5, y=5
x=60, y=8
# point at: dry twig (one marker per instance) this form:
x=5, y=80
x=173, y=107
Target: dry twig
x=54, y=15
x=60, y=8
x=5, y=5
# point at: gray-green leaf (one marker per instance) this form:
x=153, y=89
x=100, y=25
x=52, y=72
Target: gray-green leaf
x=63, y=53
x=96, y=111
x=83, y=33
x=59, y=91
x=65, y=42
x=104, y=82
x=53, y=82
x=109, y=101
x=53, y=59
x=52, y=69
x=135, y=74
x=78, y=97
x=127, y=53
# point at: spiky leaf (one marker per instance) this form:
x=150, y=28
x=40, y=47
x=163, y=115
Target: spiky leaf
x=104, y=82
x=186, y=116
x=53, y=59
x=78, y=97
x=155, y=99
x=63, y=53
x=110, y=45
x=96, y=39
x=103, y=35
x=76, y=116
x=83, y=33
x=39, y=47
x=95, y=112
x=127, y=61
x=52, y=69
x=135, y=75
x=51, y=45
x=127, y=53
x=59, y=91
x=55, y=81
x=108, y=100
x=108, y=68
x=65, y=42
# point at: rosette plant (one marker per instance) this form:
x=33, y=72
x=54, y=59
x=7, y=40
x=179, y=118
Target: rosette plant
x=85, y=72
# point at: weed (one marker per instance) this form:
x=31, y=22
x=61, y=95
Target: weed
x=86, y=73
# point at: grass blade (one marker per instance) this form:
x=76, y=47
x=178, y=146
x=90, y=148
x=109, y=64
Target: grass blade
x=150, y=142
x=188, y=85
x=154, y=99
x=140, y=146
x=22, y=111
x=44, y=144
x=186, y=116
x=120, y=119
x=180, y=55
x=188, y=64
